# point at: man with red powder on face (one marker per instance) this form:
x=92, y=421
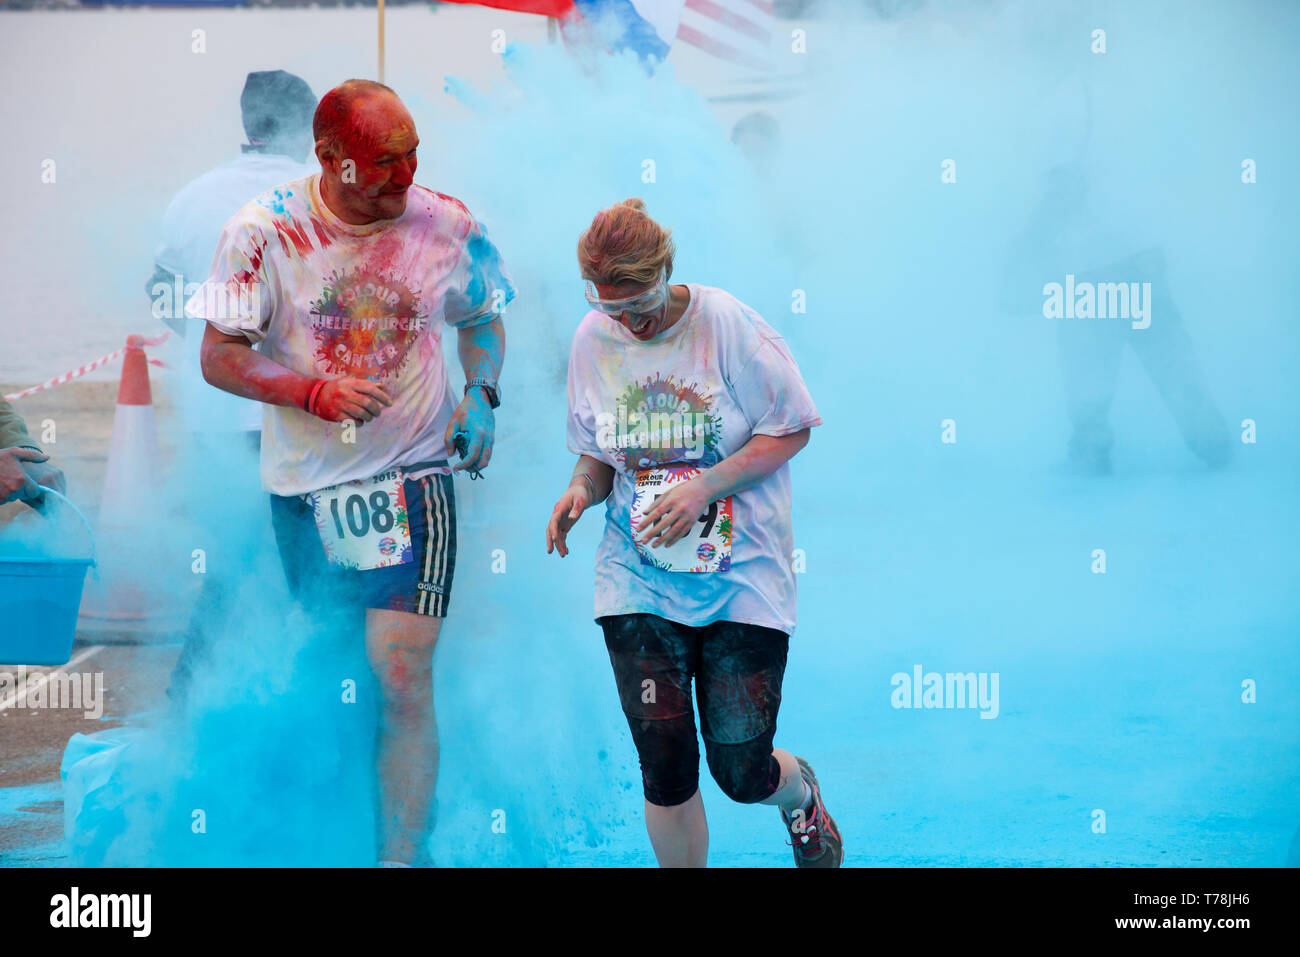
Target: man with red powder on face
x=344, y=278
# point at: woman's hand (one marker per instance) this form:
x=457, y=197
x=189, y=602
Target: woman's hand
x=567, y=511
x=675, y=513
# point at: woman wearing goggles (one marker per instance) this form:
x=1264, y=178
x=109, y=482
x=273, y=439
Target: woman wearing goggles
x=641, y=310
x=684, y=408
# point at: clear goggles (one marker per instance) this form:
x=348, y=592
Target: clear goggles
x=639, y=305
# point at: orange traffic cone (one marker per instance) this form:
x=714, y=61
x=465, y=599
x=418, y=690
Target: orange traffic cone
x=125, y=591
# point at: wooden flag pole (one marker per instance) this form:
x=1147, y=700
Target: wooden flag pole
x=381, y=41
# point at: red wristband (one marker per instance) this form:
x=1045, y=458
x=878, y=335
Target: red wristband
x=310, y=405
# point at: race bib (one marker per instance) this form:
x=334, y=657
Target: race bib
x=363, y=524
x=705, y=548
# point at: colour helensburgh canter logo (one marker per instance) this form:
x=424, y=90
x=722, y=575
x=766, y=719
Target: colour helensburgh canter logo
x=658, y=421
x=365, y=323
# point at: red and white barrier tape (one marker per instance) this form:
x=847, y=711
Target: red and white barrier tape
x=90, y=367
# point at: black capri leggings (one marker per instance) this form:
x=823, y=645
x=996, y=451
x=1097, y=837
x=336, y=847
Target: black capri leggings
x=737, y=670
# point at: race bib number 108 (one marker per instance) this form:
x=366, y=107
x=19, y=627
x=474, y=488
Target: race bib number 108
x=363, y=524
x=705, y=548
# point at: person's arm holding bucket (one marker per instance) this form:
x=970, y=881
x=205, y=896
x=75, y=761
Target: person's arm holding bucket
x=24, y=466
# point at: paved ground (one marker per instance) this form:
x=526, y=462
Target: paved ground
x=32, y=743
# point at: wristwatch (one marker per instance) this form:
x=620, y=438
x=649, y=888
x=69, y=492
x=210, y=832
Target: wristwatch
x=488, y=386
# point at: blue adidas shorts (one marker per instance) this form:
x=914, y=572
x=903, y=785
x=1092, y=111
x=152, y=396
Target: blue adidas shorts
x=422, y=586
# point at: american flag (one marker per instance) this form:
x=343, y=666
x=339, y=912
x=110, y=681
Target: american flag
x=742, y=31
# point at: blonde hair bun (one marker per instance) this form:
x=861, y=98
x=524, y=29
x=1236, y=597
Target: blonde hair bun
x=624, y=245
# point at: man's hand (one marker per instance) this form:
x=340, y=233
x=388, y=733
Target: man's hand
x=47, y=474
x=16, y=481
x=357, y=399
x=567, y=511
x=674, y=513
x=473, y=417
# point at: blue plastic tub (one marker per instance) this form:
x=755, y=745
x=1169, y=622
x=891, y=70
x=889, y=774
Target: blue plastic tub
x=39, y=600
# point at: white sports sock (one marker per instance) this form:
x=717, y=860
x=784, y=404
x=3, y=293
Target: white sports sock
x=805, y=802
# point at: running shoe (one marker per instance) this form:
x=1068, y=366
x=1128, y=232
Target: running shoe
x=816, y=840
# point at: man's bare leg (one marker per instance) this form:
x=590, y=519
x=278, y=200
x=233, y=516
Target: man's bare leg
x=399, y=647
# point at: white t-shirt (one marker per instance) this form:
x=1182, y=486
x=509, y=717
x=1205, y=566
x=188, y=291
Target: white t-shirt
x=729, y=376
x=328, y=300
x=191, y=228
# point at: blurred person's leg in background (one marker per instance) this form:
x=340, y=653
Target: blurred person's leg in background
x=1090, y=353
x=232, y=520
x=1169, y=357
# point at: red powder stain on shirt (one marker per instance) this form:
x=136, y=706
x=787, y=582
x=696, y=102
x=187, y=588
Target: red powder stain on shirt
x=294, y=233
x=324, y=232
x=467, y=220
x=383, y=252
x=245, y=276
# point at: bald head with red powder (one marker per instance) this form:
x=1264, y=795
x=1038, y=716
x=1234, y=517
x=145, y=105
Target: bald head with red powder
x=366, y=142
